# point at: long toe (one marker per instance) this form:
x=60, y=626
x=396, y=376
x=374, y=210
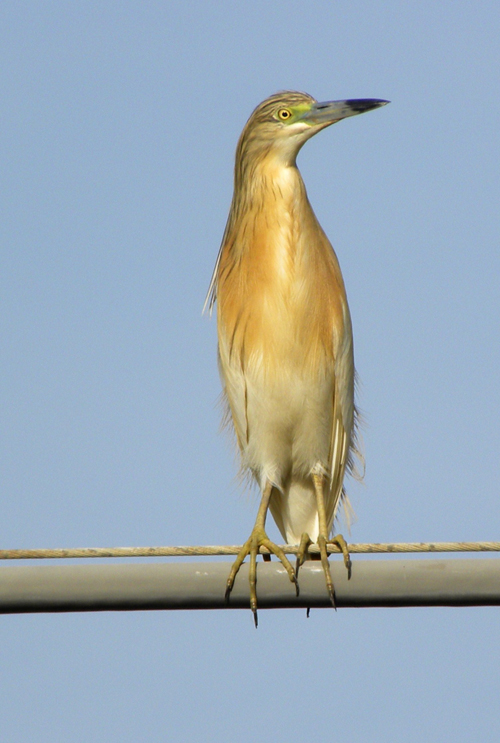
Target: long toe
x=258, y=539
x=326, y=569
x=244, y=551
x=339, y=540
x=305, y=541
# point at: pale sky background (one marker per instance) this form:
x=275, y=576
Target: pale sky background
x=118, y=126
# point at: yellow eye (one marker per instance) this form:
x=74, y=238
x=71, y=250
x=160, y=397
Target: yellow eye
x=284, y=114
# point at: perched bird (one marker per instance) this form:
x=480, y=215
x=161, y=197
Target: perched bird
x=285, y=337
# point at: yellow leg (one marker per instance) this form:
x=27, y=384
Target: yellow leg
x=258, y=538
x=323, y=539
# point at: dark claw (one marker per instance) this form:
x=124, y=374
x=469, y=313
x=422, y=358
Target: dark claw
x=332, y=599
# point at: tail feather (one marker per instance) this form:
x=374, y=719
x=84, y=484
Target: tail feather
x=295, y=511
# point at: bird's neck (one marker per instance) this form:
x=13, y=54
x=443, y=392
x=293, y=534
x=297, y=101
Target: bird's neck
x=268, y=180
x=270, y=198
x=271, y=223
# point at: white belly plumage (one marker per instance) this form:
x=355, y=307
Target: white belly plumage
x=285, y=426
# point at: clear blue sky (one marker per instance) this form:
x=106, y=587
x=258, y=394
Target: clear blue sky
x=117, y=132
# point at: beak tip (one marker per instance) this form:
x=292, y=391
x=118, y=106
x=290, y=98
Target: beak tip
x=366, y=104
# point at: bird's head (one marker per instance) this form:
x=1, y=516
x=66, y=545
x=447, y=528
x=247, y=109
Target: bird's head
x=281, y=124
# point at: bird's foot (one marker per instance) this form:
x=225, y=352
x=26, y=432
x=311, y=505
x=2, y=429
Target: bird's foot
x=323, y=543
x=302, y=552
x=339, y=540
x=258, y=539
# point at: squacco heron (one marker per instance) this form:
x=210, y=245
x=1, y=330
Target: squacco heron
x=285, y=337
